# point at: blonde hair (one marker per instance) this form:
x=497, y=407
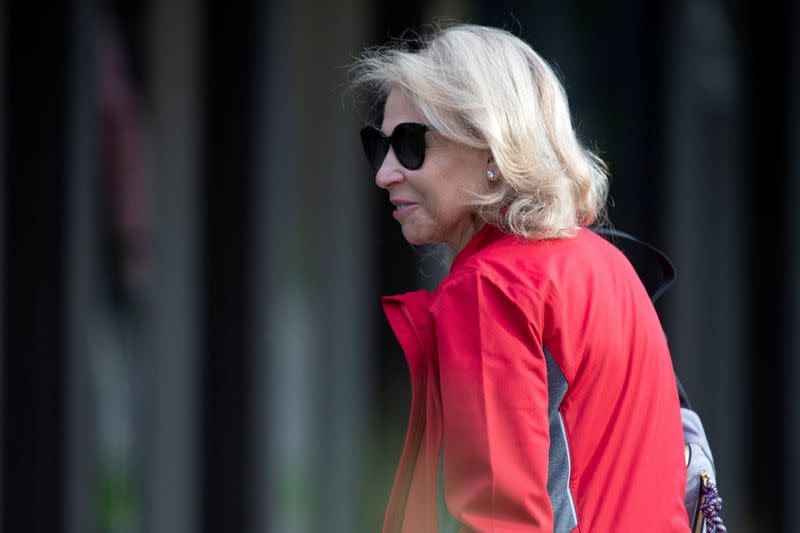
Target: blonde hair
x=485, y=88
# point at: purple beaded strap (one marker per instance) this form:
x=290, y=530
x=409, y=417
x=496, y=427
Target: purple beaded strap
x=711, y=506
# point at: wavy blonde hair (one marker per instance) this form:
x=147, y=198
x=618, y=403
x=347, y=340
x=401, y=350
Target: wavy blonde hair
x=485, y=88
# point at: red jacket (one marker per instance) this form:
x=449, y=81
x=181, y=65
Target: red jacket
x=543, y=395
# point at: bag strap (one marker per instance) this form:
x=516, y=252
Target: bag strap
x=667, y=268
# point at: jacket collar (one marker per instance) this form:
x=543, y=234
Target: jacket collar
x=485, y=237
x=417, y=303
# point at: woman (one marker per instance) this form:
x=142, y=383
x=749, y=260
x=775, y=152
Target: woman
x=543, y=395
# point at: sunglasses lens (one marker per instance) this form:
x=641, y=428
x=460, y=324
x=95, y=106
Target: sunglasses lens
x=375, y=146
x=408, y=141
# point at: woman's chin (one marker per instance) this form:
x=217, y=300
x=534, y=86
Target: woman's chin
x=413, y=240
x=413, y=236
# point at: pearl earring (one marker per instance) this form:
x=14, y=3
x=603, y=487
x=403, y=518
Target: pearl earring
x=490, y=174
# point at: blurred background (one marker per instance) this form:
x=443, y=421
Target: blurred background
x=193, y=249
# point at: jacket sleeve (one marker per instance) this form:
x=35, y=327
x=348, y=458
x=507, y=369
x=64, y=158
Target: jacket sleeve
x=493, y=380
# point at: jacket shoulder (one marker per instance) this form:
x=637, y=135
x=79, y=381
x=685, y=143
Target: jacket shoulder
x=514, y=261
x=488, y=280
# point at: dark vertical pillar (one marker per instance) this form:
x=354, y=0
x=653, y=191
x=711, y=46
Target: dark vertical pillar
x=172, y=308
x=80, y=267
x=637, y=160
x=791, y=378
x=225, y=371
x=3, y=182
x=769, y=122
x=704, y=192
x=37, y=62
x=308, y=235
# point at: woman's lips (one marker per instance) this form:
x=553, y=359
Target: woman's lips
x=402, y=210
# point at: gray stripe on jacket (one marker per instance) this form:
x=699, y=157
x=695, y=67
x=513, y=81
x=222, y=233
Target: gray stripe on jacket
x=559, y=466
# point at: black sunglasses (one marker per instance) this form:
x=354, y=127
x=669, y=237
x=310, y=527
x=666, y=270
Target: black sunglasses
x=407, y=140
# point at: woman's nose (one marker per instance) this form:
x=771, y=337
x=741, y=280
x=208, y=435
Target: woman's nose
x=391, y=171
